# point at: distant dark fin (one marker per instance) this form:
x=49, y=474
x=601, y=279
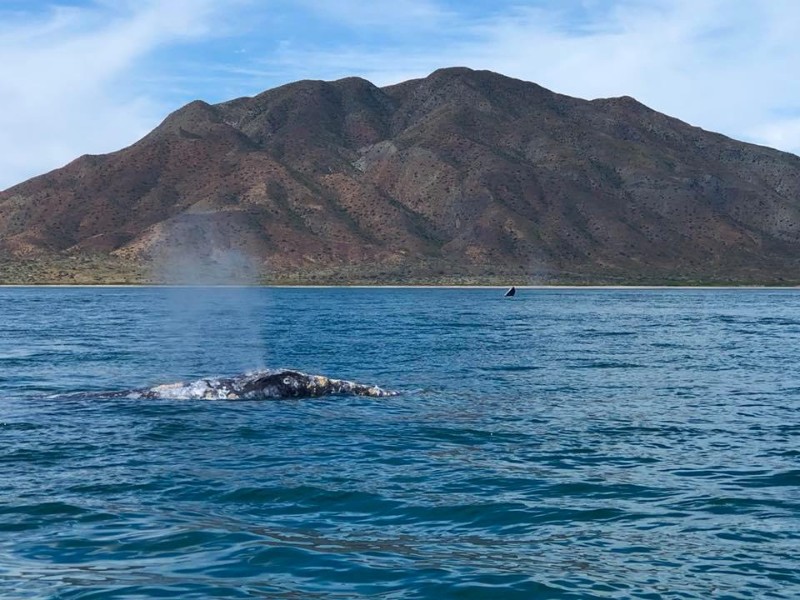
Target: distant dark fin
x=511, y=291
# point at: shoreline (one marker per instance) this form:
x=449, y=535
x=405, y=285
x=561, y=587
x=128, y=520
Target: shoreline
x=401, y=286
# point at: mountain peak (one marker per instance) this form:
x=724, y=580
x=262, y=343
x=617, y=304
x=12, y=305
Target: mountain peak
x=452, y=72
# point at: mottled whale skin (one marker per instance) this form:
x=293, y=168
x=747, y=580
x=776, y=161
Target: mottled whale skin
x=259, y=385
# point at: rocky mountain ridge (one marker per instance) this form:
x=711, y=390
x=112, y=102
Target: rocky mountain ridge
x=463, y=174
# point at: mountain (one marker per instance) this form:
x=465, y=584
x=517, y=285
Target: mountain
x=461, y=176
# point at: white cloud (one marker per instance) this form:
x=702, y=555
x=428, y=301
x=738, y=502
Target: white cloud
x=724, y=65
x=63, y=79
x=783, y=133
x=718, y=64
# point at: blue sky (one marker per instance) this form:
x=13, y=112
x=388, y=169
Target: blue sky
x=92, y=76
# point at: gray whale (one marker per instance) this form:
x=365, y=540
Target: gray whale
x=258, y=385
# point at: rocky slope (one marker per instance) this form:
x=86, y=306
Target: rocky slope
x=463, y=174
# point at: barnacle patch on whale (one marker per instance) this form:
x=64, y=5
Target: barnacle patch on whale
x=259, y=385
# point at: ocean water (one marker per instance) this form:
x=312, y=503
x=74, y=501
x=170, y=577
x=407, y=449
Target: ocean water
x=560, y=444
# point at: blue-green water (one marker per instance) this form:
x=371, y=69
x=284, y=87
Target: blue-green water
x=561, y=444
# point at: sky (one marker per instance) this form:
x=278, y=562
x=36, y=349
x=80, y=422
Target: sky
x=93, y=76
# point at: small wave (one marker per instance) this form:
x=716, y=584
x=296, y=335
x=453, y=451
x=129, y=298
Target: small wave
x=786, y=478
x=606, y=364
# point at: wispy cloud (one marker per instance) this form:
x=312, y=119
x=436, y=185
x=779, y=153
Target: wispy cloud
x=67, y=78
x=779, y=133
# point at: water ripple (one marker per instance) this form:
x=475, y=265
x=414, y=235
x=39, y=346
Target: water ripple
x=566, y=444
